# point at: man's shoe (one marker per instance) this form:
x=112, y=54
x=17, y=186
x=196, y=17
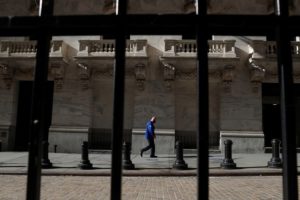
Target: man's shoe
x=141, y=153
x=153, y=156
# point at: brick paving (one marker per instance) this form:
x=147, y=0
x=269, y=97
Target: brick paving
x=13, y=187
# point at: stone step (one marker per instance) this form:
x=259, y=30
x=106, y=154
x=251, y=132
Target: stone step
x=212, y=150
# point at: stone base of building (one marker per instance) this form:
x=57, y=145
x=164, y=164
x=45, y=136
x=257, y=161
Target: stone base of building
x=164, y=142
x=243, y=141
x=67, y=139
x=5, y=133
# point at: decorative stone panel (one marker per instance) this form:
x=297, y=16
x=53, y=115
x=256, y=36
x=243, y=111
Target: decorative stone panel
x=57, y=71
x=84, y=73
x=183, y=54
x=263, y=61
x=18, y=61
x=227, y=77
x=6, y=74
x=168, y=73
x=140, y=75
x=98, y=55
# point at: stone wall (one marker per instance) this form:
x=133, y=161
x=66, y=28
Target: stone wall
x=94, y=7
x=8, y=110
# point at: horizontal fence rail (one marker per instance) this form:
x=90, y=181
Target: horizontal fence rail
x=121, y=26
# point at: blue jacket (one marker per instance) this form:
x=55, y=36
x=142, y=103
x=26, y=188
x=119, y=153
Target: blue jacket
x=149, y=133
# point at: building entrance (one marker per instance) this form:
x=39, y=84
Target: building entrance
x=271, y=112
x=23, y=113
x=271, y=123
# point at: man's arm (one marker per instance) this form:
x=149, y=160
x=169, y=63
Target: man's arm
x=152, y=131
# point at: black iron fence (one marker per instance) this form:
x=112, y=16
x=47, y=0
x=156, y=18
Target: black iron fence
x=120, y=26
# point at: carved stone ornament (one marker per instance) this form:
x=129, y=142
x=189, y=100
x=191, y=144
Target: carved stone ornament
x=228, y=73
x=169, y=74
x=84, y=73
x=257, y=75
x=189, y=6
x=186, y=74
x=227, y=77
x=104, y=72
x=140, y=75
x=6, y=74
x=58, y=72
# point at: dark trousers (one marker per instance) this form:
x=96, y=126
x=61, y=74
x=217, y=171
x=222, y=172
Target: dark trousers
x=151, y=146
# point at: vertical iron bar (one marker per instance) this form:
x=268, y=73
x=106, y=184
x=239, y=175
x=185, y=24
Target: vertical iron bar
x=118, y=106
x=287, y=104
x=38, y=109
x=203, y=119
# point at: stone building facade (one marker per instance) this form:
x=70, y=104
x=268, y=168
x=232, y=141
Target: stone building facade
x=160, y=80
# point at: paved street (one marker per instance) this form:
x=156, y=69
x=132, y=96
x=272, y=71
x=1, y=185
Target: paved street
x=164, y=188
x=152, y=178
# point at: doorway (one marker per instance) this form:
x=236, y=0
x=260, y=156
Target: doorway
x=271, y=112
x=271, y=123
x=23, y=113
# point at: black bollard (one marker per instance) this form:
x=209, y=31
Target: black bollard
x=275, y=161
x=228, y=162
x=179, y=162
x=85, y=163
x=127, y=163
x=55, y=148
x=46, y=164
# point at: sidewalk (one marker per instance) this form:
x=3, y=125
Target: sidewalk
x=67, y=164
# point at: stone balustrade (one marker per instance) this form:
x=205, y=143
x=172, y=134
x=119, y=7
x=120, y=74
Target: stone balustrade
x=27, y=48
x=188, y=48
x=263, y=49
x=295, y=48
x=107, y=48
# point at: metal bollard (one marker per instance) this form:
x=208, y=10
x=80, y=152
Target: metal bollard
x=55, y=148
x=228, y=162
x=85, y=163
x=275, y=161
x=46, y=164
x=179, y=162
x=127, y=163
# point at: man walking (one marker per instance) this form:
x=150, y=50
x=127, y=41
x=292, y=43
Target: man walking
x=150, y=136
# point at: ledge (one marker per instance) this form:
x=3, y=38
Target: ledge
x=141, y=131
x=242, y=134
x=69, y=129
